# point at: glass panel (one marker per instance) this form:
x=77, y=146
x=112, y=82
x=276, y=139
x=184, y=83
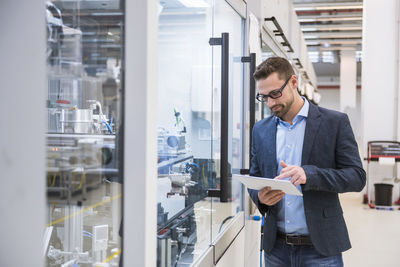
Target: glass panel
x=185, y=167
x=84, y=71
x=267, y=52
x=227, y=20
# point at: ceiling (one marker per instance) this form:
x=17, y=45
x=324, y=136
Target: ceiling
x=330, y=25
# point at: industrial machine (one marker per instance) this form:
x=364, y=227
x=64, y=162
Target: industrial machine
x=83, y=143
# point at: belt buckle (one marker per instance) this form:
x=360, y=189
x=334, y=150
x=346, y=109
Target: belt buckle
x=294, y=237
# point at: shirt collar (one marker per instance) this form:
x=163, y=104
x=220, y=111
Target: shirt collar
x=303, y=112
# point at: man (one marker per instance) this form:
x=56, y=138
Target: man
x=315, y=149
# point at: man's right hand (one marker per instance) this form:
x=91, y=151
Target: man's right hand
x=270, y=197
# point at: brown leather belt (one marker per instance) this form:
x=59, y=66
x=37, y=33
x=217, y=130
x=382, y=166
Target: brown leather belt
x=295, y=240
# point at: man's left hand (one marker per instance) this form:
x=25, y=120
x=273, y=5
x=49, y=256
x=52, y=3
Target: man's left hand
x=295, y=173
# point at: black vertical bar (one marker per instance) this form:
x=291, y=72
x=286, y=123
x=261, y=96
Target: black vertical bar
x=262, y=111
x=252, y=97
x=223, y=192
x=224, y=116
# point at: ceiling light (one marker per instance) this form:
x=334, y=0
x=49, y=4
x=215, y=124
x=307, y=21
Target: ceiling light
x=327, y=6
x=338, y=7
x=336, y=18
x=338, y=28
x=309, y=29
x=194, y=3
x=349, y=18
x=306, y=20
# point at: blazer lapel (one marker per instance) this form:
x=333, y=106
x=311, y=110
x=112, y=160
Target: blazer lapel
x=312, y=126
x=270, y=148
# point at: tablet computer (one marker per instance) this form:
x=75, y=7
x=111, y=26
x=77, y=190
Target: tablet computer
x=258, y=183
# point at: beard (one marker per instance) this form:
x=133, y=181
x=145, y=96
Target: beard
x=282, y=109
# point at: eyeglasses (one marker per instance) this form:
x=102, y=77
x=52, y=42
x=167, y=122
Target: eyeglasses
x=273, y=94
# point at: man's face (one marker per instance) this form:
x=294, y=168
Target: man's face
x=281, y=105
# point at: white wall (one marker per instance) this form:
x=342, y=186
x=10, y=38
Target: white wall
x=330, y=98
x=22, y=142
x=379, y=70
x=348, y=79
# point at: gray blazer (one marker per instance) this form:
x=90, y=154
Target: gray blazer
x=332, y=164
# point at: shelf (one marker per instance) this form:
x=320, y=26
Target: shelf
x=172, y=161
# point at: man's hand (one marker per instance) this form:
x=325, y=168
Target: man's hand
x=295, y=173
x=270, y=197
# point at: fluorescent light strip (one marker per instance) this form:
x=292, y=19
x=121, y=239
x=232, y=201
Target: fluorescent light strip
x=338, y=7
x=329, y=19
x=327, y=6
x=332, y=35
x=338, y=28
x=346, y=42
x=194, y=3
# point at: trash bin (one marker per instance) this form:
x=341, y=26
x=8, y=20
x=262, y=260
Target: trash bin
x=383, y=194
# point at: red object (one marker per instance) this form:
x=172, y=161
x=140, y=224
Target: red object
x=372, y=206
x=163, y=231
x=365, y=201
x=63, y=102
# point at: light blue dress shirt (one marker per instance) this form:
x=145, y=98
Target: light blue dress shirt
x=289, y=148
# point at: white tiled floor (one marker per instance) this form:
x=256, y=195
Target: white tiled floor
x=374, y=234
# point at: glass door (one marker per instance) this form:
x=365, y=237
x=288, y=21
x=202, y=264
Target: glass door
x=186, y=168
x=227, y=20
x=267, y=52
x=192, y=35
x=85, y=62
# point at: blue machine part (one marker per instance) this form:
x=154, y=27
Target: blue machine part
x=172, y=141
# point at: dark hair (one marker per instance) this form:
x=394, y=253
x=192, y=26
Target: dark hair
x=274, y=64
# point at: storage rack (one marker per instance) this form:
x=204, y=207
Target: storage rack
x=375, y=151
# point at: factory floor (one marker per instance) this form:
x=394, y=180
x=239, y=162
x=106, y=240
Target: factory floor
x=374, y=234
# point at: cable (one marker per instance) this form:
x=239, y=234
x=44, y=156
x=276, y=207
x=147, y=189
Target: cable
x=261, y=241
x=224, y=221
x=88, y=236
x=108, y=126
x=111, y=121
x=178, y=257
x=87, y=233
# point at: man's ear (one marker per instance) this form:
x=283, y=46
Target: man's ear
x=295, y=82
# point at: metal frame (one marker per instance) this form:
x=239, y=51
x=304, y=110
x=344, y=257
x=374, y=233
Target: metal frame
x=279, y=32
x=269, y=39
x=140, y=134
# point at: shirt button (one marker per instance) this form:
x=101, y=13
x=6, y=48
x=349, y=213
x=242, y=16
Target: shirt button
x=288, y=221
